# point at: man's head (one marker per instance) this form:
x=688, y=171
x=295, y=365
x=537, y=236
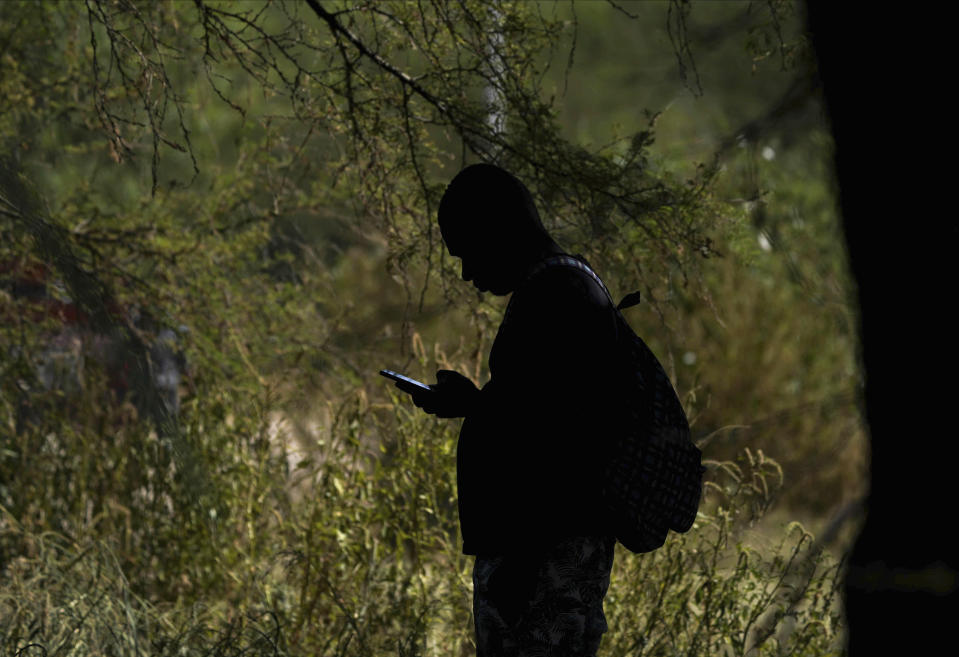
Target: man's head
x=489, y=221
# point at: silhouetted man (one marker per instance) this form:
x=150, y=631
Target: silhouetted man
x=529, y=451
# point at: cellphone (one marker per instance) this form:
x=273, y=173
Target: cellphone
x=390, y=374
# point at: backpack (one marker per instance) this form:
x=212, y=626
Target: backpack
x=653, y=473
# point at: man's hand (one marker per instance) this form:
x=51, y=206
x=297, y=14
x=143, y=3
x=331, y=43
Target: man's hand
x=453, y=395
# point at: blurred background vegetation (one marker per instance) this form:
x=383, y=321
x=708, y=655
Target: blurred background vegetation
x=217, y=225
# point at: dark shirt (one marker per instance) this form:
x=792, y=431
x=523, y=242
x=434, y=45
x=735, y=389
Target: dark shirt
x=528, y=457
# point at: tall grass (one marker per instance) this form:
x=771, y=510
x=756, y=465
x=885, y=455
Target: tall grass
x=360, y=558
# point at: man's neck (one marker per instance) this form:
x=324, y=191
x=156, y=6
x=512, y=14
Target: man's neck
x=539, y=254
x=547, y=250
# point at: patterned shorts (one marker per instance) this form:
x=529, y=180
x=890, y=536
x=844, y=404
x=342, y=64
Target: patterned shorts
x=545, y=605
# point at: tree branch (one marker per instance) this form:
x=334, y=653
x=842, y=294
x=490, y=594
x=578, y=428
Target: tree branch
x=338, y=28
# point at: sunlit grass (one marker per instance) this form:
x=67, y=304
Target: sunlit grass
x=365, y=560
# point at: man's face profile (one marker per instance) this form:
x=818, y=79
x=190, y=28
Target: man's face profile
x=482, y=262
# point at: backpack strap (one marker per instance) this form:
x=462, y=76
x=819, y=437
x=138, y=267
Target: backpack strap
x=628, y=301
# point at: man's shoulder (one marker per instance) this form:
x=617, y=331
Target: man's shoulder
x=567, y=279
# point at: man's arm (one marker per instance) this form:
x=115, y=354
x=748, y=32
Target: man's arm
x=550, y=404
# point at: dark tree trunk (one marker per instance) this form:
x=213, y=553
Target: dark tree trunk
x=885, y=94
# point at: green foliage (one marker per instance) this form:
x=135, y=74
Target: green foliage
x=366, y=561
x=263, y=177
x=703, y=595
